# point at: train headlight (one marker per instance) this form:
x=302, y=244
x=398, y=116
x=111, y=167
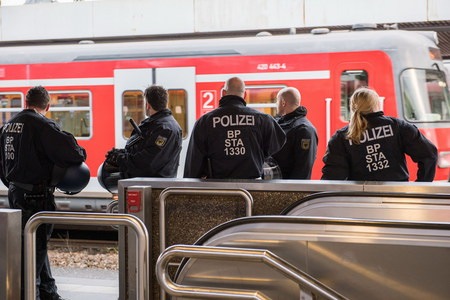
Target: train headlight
x=444, y=159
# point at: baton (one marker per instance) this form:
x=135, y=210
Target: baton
x=138, y=130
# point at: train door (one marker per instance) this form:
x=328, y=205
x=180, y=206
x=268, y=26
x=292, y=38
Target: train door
x=352, y=70
x=129, y=86
x=180, y=83
x=130, y=104
x=348, y=76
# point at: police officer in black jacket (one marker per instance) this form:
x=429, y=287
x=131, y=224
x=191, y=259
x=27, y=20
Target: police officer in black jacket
x=297, y=156
x=373, y=146
x=233, y=140
x=31, y=146
x=153, y=149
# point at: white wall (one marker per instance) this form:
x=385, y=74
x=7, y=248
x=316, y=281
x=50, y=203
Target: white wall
x=219, y=15
x=345, y=12
x=85, y=20
x=96, y=19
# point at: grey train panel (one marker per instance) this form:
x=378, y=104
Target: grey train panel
x=359, y=259
x=380, y=206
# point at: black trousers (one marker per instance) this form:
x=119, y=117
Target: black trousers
x=31, y=203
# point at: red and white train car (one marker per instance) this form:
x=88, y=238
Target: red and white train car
x=96, y=87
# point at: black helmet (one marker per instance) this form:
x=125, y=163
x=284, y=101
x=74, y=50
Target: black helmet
x=108, y=177
x=73, y=179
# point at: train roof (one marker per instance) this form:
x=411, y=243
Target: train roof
x=336, y=41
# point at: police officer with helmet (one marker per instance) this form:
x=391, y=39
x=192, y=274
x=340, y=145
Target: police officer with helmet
x=31, y=146
x=153, y=150
x=232, y=141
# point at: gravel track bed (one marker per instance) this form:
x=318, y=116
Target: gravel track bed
x=105, y=258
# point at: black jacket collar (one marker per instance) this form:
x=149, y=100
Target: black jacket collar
x=232, y=100
x=373, y=115
x=299, y=112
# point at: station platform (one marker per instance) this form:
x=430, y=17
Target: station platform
x=86, y=284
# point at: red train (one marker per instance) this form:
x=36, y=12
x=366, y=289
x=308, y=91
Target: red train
x=96, y=87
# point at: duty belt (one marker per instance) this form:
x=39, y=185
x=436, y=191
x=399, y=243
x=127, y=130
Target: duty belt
x=32, y=188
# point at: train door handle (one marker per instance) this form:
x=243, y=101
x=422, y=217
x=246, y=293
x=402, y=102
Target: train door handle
x=328, y=118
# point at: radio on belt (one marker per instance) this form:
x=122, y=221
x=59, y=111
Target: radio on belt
x=134, y=201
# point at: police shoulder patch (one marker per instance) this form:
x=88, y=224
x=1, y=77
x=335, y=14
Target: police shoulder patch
x=305, y=144
x=160, y=141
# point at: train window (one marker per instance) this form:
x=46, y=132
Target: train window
x=11, y=104
x=350, y=81
x=71, y=110
x=263, y=98
x=425, y=95
x=133, y=108
x=177, y=104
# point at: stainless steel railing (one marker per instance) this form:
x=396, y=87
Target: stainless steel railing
x=237, y=254
x=196, y=191
x=142, y=254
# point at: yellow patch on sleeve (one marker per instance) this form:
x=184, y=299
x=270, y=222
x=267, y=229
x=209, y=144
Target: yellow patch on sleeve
x=160, y=141
x=305, y=144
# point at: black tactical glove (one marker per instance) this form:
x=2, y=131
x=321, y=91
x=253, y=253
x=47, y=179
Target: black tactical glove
x=113, y=156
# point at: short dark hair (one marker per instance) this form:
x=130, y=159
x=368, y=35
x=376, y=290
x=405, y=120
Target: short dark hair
x=157, y=97
x=37, y=97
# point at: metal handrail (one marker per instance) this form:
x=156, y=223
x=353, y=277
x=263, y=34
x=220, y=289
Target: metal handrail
x=112, y=207
x=237, y=254
x=142, y=261
x=196, y=191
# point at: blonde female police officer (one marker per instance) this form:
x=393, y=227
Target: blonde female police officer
x=373, y=146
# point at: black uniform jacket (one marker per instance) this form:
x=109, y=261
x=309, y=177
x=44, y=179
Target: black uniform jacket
x=297, y=156
x=31, y=145
x=232, y=141
x=155, y=153
x=381, y=154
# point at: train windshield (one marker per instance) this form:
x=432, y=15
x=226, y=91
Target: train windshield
x=426, y=96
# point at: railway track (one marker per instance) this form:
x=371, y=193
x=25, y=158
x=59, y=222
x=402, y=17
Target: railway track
x=83, y=239
x=84, y=249
x=81, y=244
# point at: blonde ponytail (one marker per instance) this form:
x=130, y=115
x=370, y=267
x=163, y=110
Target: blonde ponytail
x=356, y=127
x=362, y=102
